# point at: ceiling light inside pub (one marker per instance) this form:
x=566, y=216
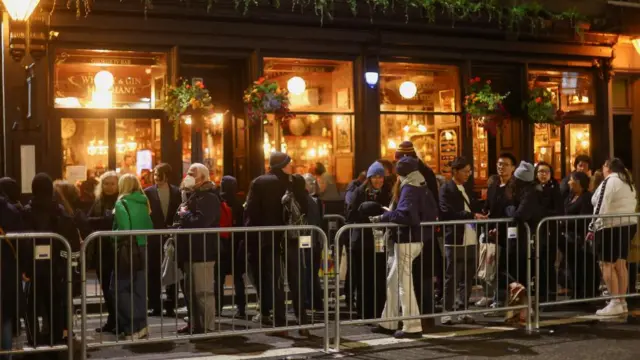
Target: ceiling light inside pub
x=296, y=85
x=20, y=10
x=408, y=89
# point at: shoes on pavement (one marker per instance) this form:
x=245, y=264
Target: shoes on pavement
x=407, y=335
x=466, y=319
x=106, y=328
x=614, y=308
x=484, y=302
x=304, y=332
x=381, y=330
x=140, y=334
x=446, y=320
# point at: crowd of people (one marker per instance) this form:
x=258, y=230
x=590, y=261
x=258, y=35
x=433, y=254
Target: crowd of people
x=385, y=279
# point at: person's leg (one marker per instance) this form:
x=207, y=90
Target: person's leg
x=105, y=270
x=610, y=277
x=154, y=274
x=139, y=287
x=391, y=305
x=408, y=302
x=121, y=292
x=622, y=274
x=469, y=265
x=277, y=289
x=7, y=335
x=296, y=280
x=205, y=293
x=355, y=291
x=239, y=269
x=450, y=279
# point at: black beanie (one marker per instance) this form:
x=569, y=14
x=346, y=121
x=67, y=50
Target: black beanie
x=42, y=186
x=278, y=160
x=10, y=189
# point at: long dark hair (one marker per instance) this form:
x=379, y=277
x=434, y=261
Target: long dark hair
x=396, y=190
x=543, y=163
x=616, y=165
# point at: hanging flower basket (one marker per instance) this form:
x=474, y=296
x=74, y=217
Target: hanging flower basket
x=541, y=107
x=266, y=97
x=483, y=106
x=187, y=100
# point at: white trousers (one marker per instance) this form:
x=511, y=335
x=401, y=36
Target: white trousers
x=400, y=285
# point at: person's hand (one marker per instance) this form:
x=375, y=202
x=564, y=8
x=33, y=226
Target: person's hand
x=375, y=219
x=480, y=216
x=590, y=236
x=25, y=278
x=493, y=233
x=183, y=210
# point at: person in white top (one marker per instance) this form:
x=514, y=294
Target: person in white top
x=616, y=195
x=456, y=203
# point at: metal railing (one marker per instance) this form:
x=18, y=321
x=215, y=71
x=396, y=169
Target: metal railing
x=382, y=251
x=43, y=291
x=585, y=257
x=274, y=251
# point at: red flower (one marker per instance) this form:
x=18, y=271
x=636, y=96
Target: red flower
x=488, y=82
x=538, y=100
x=188, y=86
x=472, y=81
x=477, y=79
x=200, y=84
x=260, y=80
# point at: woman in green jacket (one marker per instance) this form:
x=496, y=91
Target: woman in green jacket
x=129, y=291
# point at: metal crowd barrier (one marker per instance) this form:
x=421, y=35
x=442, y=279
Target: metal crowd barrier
x=583, y=258
x=264, y=250
x=379, y=267
x=43, y=293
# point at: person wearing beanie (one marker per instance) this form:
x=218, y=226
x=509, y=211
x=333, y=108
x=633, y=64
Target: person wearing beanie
x=410, y=206
x=525, y=172
x=363, y=254
x=43, y=214
x=264, y=207
x=406, y=149
x=10, y=190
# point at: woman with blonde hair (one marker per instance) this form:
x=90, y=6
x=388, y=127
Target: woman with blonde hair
x=132, y=212
x=100, y=218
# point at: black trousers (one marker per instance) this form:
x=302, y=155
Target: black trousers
x=582, y=264
x=268, y=267
x=46, y=297
x=105, y=267
x=460, y=269
x=232, y=262
x=512, y=266
x=369, y=280
x=155, y=252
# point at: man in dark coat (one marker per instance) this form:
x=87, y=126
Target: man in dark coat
x=164, y=200
x=406, y=149
x=264, y=207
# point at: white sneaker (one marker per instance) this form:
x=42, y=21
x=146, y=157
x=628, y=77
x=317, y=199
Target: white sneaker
x=614, y=308
x=141, y=334
x=466, y=319
x=446, y=320
x=484, y=302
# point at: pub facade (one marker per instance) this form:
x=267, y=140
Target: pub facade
x=358, y=88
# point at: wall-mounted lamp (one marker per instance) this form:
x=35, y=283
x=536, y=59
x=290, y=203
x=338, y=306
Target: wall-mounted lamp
x=20, y=10
x=371, y=77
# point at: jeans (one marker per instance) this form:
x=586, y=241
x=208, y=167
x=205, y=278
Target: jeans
x=129, y=294
x=460, y=271
x=7, y=336
x=400, y=284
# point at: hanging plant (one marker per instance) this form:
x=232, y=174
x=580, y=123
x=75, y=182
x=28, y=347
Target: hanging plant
x=541, y=107
x=483, y=106
x=186, y=99
x=266, y=97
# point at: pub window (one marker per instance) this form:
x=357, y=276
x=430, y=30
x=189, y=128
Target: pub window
x=109, y=79
x=420, y=103
x=573, y=94
x=321, y=97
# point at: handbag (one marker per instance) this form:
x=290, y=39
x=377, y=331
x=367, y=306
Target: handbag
x=487, y=262
x=171, y=274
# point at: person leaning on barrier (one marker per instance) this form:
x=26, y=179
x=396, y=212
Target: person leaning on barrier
x=551, y=204
x=456, y=203
x=264, y=207
x=197, y=254
x=164, y=199
x=46, y=289
x=99, y=252
x=580, y=261
x=611, y=236
x=129, y=279
x=367, y=256
x=409, y=208
x=10, y=222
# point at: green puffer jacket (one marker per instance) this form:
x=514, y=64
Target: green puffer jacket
x=132, y=213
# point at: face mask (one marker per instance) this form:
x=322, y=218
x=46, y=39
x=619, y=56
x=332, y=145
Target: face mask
x=189, y=182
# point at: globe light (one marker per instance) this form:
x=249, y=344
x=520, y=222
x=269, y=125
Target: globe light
x=296, y=85
x=371, y=78
x=103, y=80
x=408, y=89
x=20, y=10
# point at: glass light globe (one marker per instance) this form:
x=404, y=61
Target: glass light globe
x=103, y=80
x=296, y=85
x=371, y=78
x=408, y=89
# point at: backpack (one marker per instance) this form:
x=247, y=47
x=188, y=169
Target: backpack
x=292, y=215
x=226, y=218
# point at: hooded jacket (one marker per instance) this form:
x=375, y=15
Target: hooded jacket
x=414, y=206
x=357, y=213
x=132, y=213
x=202, y=211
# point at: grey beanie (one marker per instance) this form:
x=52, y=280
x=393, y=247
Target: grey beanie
x=525, y=172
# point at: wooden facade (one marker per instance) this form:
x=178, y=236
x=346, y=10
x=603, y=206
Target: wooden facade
x=227, y=49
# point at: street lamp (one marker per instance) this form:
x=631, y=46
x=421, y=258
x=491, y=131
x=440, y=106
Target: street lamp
x=20, y=10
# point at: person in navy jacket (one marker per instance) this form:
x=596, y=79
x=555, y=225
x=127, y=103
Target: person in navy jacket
x=164, y=200
x=410, y=206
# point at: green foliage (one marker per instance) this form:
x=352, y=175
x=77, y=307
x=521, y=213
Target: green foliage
x=183, y=97
x=481, y=100
x=541, y=107
x=518, y=13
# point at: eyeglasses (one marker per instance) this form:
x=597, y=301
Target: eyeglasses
x=504, y=164
x=544, y=172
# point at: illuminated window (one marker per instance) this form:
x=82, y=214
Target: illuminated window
x=548, y=147
x=212, y=143
x=109, y=79
x=420, y=103
x=577, y=142
x=321, y=96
